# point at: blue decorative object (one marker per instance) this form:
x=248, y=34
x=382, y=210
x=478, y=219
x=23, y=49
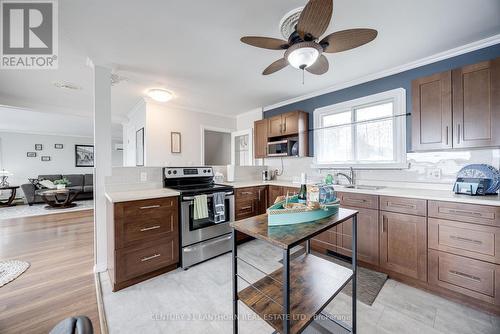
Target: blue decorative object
x=477, y=179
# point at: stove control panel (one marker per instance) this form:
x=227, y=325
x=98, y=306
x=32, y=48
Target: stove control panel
x=177, y=172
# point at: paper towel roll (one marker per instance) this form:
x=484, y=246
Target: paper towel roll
x=230, y=173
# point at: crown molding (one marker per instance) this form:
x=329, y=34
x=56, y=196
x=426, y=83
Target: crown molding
x=483, y=43
x=250, y=112
x=170, y=105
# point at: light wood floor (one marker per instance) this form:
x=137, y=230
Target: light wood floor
x=60, y=280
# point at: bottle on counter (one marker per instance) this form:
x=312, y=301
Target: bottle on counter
x=303, y=189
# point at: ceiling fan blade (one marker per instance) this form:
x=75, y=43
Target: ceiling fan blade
x=319, y=67
x=348, y=39
x=265, y=42
x=315, y=18
x=276, y=66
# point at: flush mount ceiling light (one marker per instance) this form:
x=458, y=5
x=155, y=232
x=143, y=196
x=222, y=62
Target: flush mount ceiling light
x=160, y=94
x=303, y=28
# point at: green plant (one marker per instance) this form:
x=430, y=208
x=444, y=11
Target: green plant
x=64, y=181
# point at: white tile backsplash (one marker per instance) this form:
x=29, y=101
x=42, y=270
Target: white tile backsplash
x=129, y=178
x=448, y=163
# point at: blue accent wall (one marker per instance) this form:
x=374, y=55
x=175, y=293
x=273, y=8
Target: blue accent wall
x=398, y=80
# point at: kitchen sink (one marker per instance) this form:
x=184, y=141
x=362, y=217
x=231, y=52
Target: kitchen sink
x=360, y=186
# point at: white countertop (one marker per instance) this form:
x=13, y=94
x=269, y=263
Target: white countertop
x=134, y=195
x=429, y=194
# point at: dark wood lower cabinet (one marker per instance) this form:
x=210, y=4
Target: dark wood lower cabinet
x=249, y=202
x=403, y=244
x=143, y=240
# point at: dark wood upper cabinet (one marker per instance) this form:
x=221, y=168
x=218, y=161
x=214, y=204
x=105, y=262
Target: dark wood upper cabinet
x=288, y=124
x=476, y=105
x=260, y=138
x=432, y=112
x=274, y=127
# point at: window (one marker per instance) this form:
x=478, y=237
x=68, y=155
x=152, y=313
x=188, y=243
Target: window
x=368, y=132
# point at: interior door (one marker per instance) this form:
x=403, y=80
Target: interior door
x=242, y=148
x=476, y=105
x=403, y=244
x=432, y=112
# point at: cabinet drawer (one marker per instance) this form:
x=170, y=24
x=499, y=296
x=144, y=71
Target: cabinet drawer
x=133, y=262
x=247, y=193
x=410, y=206
x=470, y=277
x=471, y=240
x=133, y=230
x=469, y=213
x=245, y=209
x=148, y=207
x=358, y=200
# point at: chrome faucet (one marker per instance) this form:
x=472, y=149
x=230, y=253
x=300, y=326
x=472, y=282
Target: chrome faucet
x=350, y=178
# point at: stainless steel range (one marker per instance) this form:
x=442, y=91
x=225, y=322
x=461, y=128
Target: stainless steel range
x=201, y=239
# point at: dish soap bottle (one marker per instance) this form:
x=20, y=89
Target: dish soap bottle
x=303, y=189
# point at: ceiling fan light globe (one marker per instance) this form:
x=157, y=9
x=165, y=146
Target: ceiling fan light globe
x=303, y=57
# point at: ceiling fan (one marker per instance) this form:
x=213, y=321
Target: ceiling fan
x=304, y=49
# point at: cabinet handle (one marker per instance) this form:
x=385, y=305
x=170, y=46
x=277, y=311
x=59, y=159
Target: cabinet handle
x=245, y=208
x=355, y=200
x=284, y=127
x=144, y=259
x=458, y=133
x=149, y=228
x=247, y=193
x=281, y=128
x=456, y=237
x=458, y=273
x=447, y=133
x=149, y=207
x=402, y=205
x=463, y=212
x=384, y=224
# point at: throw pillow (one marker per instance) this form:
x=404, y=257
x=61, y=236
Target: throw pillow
x=47, y=184
x=36, y=183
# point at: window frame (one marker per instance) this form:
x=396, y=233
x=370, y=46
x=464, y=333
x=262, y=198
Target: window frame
x=398, y=98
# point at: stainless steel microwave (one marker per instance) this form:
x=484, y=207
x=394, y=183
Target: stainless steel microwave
x=283, y=148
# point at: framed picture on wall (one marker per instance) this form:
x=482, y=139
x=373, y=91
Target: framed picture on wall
x=139, y=147
x=38, y=147
x=45, y=158
x=84, y=155
x=31, y=154
x=58, y=146
x=175, y=142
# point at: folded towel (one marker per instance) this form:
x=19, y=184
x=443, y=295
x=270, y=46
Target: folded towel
x=200, y=207
x=219, y=207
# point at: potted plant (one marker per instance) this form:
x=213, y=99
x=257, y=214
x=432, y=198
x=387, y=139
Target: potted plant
x=62, y=183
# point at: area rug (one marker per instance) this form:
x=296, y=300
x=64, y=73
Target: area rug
x=25, y=210
x=369, y=282
x=11, y=269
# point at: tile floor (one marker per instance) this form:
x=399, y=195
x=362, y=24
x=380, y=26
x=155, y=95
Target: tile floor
x=199, y=301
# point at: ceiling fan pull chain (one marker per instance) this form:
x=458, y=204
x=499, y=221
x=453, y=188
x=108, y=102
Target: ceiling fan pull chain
x=303, y=76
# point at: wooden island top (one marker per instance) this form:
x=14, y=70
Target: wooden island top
x=288, y=236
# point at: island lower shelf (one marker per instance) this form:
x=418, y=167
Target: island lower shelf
x=314, y=282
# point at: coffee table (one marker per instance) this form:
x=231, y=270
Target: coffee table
x=59, y=198
x=8, y=201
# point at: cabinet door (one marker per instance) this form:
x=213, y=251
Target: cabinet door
x=476, y=105
x=274, y=192
x=431, y=116
x=260, y=139
x=290, y=123
x=262, y=200
x=291, y=191
x=368, y=250
x=274, y=126
x=403, y=244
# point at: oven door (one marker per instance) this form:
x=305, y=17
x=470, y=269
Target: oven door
x=277, y=148
x=197, y=230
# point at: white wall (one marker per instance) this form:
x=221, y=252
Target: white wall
x=136, y=121
x=161, y=120
x=13, y=148
x=245, y=121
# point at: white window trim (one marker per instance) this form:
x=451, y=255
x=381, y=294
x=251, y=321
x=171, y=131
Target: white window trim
x=398, y=96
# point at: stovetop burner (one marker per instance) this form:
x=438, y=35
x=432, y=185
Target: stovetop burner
x=192, y=180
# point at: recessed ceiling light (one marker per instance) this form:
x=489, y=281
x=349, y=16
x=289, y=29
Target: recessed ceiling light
x=66, y=85
x=160, y=95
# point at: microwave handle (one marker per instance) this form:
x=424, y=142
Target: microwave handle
x=277, y=142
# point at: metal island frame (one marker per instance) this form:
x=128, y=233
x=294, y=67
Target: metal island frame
x=290, y=298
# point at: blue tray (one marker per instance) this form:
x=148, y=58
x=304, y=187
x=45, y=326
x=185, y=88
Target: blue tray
x=299, y=217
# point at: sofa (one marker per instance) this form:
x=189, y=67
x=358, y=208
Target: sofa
x=82, y=182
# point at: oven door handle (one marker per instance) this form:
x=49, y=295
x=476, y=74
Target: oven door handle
x=190, y=198
x=210, y=242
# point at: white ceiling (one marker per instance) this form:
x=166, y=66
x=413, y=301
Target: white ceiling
x=193, y=48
